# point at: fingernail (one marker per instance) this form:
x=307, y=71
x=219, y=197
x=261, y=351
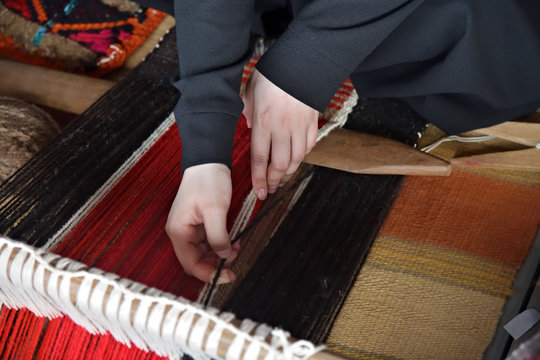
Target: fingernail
x=223, y=277
x=272, y=189
x=224, y=253
x=281, y=185
x=261, y=194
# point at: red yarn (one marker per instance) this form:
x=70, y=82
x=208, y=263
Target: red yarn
x=124, y=233
x=19, y=6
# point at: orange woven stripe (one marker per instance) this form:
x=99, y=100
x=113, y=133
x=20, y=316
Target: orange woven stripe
x=9, y=48
x=42, y=16
x=467, y=212
x=91, y=26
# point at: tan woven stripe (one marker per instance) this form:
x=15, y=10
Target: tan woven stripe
x=439, y=264
x=358, y=354
x=407, y=316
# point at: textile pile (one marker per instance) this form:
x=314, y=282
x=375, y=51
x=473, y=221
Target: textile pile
x=90, y=37
x=442, y=267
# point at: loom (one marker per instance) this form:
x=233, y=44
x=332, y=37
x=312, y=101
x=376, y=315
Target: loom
x=64, y=197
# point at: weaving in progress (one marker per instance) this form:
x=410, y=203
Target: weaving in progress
x=371, y=266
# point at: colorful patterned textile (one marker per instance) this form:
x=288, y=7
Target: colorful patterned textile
x=88, y=37
x=439, y=273
x=121, y=229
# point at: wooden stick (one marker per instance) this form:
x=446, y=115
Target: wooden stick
x=518, y=132
x=52, y=88
x=369, y=154
x=518, y=160
x=226, y=338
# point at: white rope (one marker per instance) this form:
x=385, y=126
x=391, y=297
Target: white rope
x=457, y=138
x=341, y=116
x=131, y=312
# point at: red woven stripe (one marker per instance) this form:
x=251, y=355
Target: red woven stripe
x=125, y=234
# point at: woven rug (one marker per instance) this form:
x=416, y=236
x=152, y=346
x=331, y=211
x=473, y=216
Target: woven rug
x=120, y=227
x=442, y=267
x=91, y=37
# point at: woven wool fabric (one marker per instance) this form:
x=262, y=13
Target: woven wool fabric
x=122, y=230
x=94, y=38
x=439, y=273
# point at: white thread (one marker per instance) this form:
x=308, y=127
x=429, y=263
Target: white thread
x=457, y=138
x=340, y=118
x=299, y=350
x=235, y=349
x=182, y=329
x=213, y=339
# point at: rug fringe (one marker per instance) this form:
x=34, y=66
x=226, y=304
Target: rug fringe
x=50, y=285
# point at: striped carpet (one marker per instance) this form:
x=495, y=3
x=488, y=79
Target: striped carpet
x=442, y=267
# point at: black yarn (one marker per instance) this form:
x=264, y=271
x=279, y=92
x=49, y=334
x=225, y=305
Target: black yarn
x=37, y=200
x=303, y=276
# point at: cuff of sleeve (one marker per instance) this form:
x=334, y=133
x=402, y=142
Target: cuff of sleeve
x=296, y=67
x=206, y=138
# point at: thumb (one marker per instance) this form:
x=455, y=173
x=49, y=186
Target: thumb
x=215, y=225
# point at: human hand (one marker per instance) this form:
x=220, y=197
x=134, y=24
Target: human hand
x=284, y=130
x=197, y=222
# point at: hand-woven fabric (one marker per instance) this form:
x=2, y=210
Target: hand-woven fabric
x=442, y=267
x=120, y=229
x=92, y=37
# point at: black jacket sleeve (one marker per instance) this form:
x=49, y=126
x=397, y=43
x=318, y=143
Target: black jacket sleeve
x=325, y=43
x=321, y=47
x=213, y=39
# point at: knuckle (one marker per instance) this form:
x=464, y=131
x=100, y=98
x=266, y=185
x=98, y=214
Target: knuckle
x=171, y=229
x=260, y=158
x=280, y=165
x=188, y=271
x=296, y=160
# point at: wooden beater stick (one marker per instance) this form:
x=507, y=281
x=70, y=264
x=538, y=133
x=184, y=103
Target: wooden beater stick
x=56, y=89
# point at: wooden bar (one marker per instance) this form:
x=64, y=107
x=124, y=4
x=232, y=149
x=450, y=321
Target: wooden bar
x=361, y=153
x=56, y=89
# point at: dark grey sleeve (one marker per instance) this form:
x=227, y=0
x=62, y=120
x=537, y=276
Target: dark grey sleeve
x=213, y=40
x=325, y=43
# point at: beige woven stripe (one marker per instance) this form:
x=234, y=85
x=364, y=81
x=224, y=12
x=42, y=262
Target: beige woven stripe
x=407, y=316
x=444, y=265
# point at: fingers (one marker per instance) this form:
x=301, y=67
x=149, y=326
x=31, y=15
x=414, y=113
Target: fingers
x=197, y=221
x=298, y=151
x=311, y=137
x=281, y=158
x=185, y=240
x=260, y=149
x=216, y=231
x=247, y=99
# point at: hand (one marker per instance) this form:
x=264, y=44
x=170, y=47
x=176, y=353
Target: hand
x=197, y=222
x=283, y=131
